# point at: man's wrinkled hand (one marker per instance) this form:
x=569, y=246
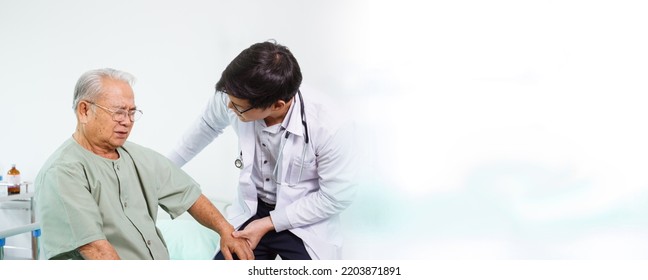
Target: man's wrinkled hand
x=239, y=246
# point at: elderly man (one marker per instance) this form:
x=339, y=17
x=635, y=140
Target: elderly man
x=98, y=195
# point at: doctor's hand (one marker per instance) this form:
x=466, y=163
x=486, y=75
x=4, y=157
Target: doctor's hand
x=255, y=230
x=232, y=245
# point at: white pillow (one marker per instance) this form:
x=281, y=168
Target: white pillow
x=186, y=239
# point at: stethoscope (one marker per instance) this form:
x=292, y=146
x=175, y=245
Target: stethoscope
x=275, y=174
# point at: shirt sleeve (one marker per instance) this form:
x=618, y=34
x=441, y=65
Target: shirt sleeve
x=177, y=191
x=66, y=209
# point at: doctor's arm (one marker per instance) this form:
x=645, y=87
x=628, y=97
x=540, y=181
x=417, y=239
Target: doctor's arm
x=255, y=230
x=209, y=125
x=336, y=167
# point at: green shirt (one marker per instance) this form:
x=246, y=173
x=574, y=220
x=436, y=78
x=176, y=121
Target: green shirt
x=82, y=197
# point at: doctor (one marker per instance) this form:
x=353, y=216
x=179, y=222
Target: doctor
x=295, y=156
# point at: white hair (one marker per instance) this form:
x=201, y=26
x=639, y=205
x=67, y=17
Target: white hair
x=89, y=85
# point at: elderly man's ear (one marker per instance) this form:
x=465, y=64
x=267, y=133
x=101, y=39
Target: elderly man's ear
x=82, y=112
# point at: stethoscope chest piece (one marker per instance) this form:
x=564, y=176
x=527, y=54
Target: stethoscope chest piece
x=238, y=163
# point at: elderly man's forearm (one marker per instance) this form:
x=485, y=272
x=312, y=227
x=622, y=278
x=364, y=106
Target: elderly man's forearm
x=99, y=250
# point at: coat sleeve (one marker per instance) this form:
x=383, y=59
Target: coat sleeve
x=336, y=169
x=209, y=125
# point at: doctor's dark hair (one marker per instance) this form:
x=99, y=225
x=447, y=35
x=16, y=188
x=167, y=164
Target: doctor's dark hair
x=263, y=74
x=89, y=85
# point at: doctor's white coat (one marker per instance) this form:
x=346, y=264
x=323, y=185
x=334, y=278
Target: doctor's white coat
x=310, y=209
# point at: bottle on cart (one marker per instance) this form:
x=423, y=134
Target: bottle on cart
x=13, y=178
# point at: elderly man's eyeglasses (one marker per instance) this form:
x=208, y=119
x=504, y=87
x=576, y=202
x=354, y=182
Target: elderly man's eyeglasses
x=119, y=115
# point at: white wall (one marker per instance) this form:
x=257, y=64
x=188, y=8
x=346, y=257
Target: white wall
x=492, y=129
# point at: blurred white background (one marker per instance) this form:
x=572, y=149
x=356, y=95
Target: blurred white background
x=489, y=129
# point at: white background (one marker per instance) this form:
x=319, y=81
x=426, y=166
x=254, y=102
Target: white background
x=490, y=129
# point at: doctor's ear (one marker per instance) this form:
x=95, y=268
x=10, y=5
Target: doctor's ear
x=279, y=105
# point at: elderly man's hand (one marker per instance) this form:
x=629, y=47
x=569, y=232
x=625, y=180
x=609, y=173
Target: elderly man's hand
x=238, y=246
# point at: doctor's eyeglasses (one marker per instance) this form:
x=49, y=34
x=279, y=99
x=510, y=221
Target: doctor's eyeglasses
x=238, y=110
x=120, y=115
x=236, y=107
